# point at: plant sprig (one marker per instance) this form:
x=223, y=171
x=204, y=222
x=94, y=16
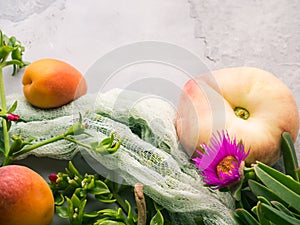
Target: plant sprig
x=72, y=191
x=11, y=52
x=20, y=145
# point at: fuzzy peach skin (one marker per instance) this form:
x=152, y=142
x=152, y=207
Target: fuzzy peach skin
x=208, y=103
x=50, y=83
x=25, y=197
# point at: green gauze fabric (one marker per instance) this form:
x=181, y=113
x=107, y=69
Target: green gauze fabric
x=150, y=152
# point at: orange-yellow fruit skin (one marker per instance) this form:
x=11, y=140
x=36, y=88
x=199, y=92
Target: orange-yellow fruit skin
x=25, y=197
x=51, y=83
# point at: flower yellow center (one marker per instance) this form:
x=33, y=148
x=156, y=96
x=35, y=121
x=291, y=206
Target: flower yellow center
x=226, y=165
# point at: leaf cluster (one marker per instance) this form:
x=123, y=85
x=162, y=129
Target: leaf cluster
x=73, y=191
x=271, y=197
x=11, y=53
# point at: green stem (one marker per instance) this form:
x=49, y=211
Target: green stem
x=4, y=122
x=37, y=145
x=9, y=158
x=78, y=143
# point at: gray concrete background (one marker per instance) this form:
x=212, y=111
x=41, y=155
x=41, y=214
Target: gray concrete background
x=264, y=34
x=259, y=33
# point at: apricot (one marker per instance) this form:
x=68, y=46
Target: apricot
x=25, y=197
x=51, y=83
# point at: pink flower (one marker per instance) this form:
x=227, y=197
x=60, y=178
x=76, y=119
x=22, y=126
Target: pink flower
x=221, y=163
x=12, y=117
x=53, y=177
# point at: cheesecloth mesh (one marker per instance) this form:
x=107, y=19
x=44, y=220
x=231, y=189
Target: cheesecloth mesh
x=149, y=152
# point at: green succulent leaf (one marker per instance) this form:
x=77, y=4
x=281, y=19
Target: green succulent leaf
x=8, y=125
x=4, y=52
x=248, y=198
x=263, y=200
x=70, y=204
x=246, y=217
x=59, y=199
x=62, y=212
x=261, y=217
x=91, y=184
x=107, y=145
x=286, y=180
x=13, y=107
x=109, y=222
x=81, y=210
x=289, y=155
x=236, y=218
x=11, y=41
x=75, y=208
x=236, y=190
x=72, y=171
x=129, y=210
x=255, y=210
x=77, y=128
x=76, y=201
x=16, y=146
x=11, y=47
x=261, y=190
x=91, y=215
x=109, y=212
x=275, y=216
x=106, y=198
x=158, y=218
x=282, y=208
x=99, y=188
x=249, y=172
x=280, y=189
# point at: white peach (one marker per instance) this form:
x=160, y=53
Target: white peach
x=251, y=104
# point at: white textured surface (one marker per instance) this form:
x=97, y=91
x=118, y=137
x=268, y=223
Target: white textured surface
x=82, y=31
x=264, y=34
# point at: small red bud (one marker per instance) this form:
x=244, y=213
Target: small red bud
x=12, y=117
x=53, y=177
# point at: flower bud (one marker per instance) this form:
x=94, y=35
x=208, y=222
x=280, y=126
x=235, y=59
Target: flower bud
x=53, y=178
x=12, y=117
